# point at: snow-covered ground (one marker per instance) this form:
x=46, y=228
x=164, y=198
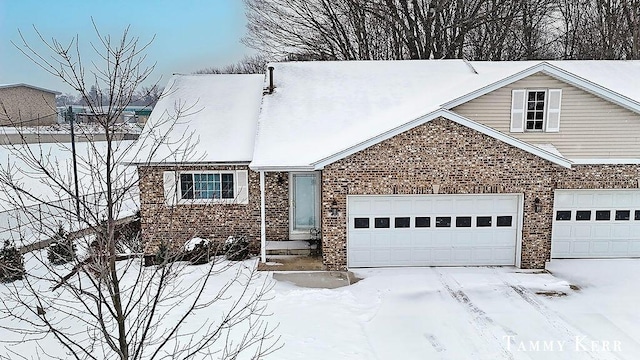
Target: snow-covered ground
x=581, y=309
x=468, y=313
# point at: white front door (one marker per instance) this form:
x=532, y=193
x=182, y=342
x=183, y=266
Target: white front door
x=305, y=204
x=433, y=230
x=596, y=224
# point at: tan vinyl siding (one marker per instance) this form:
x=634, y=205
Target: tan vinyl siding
x=590, y=126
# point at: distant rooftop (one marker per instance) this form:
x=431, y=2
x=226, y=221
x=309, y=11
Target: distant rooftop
x=6, y=86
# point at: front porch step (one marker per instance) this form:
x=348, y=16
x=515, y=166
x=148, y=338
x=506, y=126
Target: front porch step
x=290, y=247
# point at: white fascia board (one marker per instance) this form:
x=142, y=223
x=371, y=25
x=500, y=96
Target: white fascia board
x=553, y=71
x=592, y=87
x=319, y=165
x=195, y=163
x=605, y=161
x=491, y=87
x=270, y=168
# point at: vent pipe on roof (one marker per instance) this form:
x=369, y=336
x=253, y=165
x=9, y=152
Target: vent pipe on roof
x=271, y=87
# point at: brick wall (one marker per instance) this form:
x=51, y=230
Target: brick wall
x=175, y=225
x=460, y=160
x=23, y=103
x=599, y=177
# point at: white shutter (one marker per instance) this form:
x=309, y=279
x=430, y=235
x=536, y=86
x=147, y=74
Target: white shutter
x=553, y=110
x=170, y=188
x=518, y=104
x=242, y=187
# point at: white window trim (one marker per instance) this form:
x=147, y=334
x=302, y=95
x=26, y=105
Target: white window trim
x=182, y=201
x=544, y=110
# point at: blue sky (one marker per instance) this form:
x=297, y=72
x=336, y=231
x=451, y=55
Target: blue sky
x=190, y=34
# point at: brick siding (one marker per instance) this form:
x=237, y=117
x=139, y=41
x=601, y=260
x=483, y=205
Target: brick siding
x=177, y=224
x=441, y=152
x=458, y=159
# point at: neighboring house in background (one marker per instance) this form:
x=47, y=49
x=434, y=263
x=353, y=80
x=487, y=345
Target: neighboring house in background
x=405, y=163
x=22, y=104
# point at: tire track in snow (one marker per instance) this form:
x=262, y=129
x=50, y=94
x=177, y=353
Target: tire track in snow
x=555, y=320
x=489, y=331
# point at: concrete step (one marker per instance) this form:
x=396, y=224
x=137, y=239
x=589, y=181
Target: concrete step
x=290, y=247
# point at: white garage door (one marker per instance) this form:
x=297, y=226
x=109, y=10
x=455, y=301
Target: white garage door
x=596, y=224
x=428, y=230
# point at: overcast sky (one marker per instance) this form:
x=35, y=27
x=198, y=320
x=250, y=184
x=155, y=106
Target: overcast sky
x=190, y=34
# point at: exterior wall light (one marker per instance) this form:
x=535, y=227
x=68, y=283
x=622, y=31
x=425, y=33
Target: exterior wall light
x=334, y=208
x=536, y=205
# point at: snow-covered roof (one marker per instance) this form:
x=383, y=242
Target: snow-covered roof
x=321, y=109
x=7, y=86
x=202, y=118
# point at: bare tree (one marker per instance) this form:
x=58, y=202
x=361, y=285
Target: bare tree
x=106, y=304
x=249, y=64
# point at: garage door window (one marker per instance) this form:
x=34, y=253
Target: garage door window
x=443, y=221
x=583, y=215
x=402, y=222
x=463, y=221
x=423, y=222
x=563, y=215
x=637, y=217
x=623, y=214
x=504, y=221
x=361, y=223
x=483, y=221
x=603, y=215
x=382, y=223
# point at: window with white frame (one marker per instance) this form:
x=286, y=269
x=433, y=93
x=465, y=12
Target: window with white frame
x=203, y=187
x=535, y=110
x=199, y=186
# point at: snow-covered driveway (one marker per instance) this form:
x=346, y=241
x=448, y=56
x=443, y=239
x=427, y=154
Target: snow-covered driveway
x=467, y=313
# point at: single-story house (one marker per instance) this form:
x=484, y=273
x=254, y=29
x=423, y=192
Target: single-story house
x=27, y=105
x=402, y=163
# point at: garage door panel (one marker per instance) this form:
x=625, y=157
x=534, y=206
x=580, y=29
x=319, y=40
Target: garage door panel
x=603, y=200
x=460, y=243
x=566, y=200
x=360, y=240
x=593, y=237
x=506, y=206
x=441, y=256
x=444, y=206
x=401, y=206
x=360, y=206
x=381, y=206
x=462, y=255
x=423, y=206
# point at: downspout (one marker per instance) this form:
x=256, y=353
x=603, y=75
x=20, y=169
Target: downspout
x=263, y=223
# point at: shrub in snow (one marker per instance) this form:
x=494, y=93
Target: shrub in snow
x=11, y=263
x=197, y=251
x=236, y=248
x=162, y=254
x=62, y=250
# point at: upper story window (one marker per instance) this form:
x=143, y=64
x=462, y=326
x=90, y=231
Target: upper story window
x=205, y=187
x=535, y=110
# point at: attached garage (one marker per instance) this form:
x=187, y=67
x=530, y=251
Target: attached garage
x=596, y=224
x=433, y=230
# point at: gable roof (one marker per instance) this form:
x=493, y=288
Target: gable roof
x=321, y=110
x=8, y=86
x=605, y=78
x=202, y=118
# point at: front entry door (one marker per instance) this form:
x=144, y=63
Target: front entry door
x=305, y=204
